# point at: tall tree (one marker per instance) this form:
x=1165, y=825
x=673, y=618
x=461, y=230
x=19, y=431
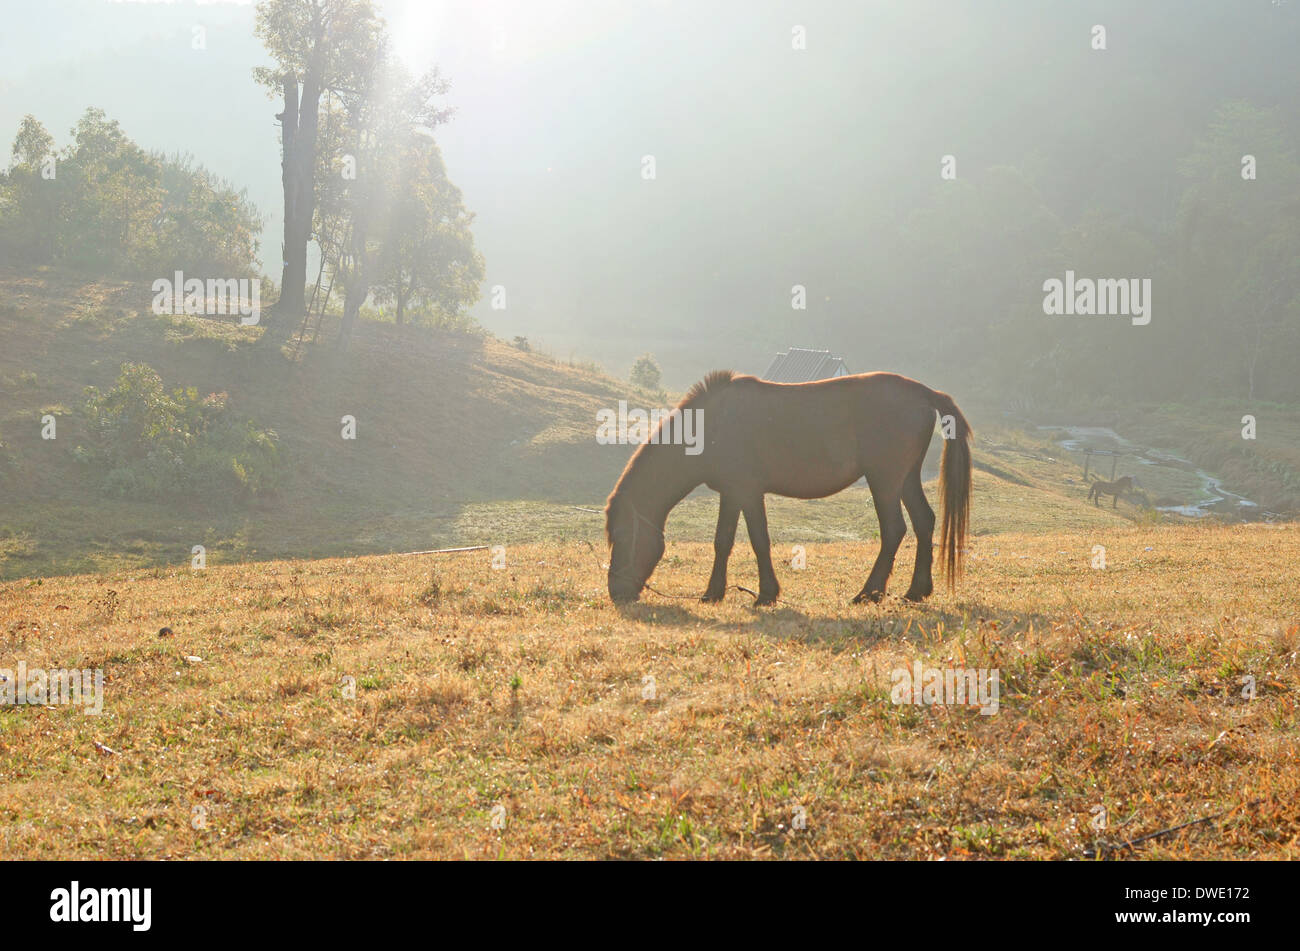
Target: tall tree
x=320, y=46
x=29, y=200
x=428, y=267
x=410, y=240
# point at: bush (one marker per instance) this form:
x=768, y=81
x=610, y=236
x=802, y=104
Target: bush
x=152, y=444
x=646, y=373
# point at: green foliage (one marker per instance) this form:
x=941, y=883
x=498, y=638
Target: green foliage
x=427, y=265
x=646, y=373
x=425, y=316
x=332, y=40
x=398, y=228
x=113, y=208
x=149, y=443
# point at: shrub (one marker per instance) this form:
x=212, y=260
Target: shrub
x=150, y=443
x=646, y=373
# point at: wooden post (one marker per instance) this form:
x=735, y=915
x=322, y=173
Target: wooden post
x=1087, y=461
x=1114, y=460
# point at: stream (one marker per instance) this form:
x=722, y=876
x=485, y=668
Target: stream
x=1176, y=485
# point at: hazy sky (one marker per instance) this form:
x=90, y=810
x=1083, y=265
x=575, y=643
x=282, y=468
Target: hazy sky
x=774, y=166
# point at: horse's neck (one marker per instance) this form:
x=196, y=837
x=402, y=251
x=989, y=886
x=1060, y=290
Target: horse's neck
x=660, y=481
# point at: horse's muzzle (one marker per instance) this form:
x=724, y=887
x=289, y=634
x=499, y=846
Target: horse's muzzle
x=622, y=592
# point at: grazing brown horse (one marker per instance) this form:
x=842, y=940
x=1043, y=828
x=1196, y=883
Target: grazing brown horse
x=806, y=441
x=1121, y=486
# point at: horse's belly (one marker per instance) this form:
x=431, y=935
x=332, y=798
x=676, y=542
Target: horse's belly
x=814, y=485
x=802, y=466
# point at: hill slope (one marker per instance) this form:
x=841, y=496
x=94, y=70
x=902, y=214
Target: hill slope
x=442, y=419
x=460, y=440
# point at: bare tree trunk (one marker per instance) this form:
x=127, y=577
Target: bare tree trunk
x=358, y=286
x=298, y=173
x=291, y=300
x=356, y=296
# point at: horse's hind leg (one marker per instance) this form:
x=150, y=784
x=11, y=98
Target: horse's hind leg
x=892, y=529
x=723, y=538
x=918, y=509
x=756, y=523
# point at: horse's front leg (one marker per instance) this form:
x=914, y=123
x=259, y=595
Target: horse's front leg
x=1114, y=502
x=723, y=538
x=756, y=523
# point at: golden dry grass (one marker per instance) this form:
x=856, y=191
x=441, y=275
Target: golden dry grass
x=523, y=688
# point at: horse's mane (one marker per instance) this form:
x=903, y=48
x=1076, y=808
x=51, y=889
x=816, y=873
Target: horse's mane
x=712, y=382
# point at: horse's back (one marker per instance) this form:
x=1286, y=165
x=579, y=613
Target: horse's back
x=811, y=439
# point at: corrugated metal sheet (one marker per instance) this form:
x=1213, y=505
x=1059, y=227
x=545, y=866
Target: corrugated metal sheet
x=803, y=366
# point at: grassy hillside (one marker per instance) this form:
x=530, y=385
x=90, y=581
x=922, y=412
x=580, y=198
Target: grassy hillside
x=443, y=421
x=461, y=440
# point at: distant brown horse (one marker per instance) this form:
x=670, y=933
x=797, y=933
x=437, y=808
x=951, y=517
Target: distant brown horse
x=806, y=441
x=1122, y=486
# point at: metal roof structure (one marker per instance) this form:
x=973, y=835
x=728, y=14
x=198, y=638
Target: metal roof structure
x=803, y=366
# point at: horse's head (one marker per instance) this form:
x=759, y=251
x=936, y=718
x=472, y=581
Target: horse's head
x=636, y=545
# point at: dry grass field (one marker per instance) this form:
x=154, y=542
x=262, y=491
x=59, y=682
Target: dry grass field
x=371, y=706
x=403, y=706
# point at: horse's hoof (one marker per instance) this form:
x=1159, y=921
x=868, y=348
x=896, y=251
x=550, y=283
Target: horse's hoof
x=915, y=596
x=873, y=596
x=765, y=600
x=710, y=598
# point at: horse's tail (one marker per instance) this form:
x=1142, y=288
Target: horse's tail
x=954, y=484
